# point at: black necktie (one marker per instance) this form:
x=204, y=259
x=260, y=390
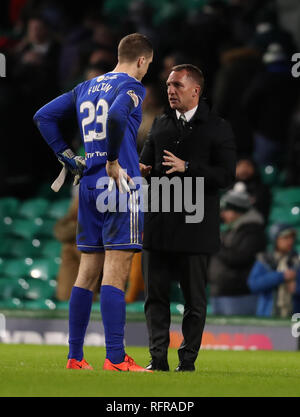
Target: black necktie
x=183, y=121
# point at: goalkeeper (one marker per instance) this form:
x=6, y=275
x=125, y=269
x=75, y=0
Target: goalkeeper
x=109, y=114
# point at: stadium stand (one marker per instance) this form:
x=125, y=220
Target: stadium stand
x=30, y=255
x=211, y=32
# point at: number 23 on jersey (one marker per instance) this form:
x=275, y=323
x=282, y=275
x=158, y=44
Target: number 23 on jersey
x=94, y=124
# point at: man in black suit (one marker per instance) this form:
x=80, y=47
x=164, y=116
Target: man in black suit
x=190, y=142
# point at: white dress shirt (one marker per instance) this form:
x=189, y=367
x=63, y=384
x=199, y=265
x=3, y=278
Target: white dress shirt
x=188, y=115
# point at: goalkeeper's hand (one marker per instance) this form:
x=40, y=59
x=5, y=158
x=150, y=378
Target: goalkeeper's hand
x=75, y=164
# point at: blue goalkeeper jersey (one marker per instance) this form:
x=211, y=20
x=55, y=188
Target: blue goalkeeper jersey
x=109, y=113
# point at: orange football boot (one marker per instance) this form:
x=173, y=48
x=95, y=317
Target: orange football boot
x=127, y=366
x=75, y=364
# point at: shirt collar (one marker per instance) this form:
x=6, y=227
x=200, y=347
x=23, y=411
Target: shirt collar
x=188, y=115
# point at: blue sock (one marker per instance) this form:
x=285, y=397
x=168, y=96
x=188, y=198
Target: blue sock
x=79, y=314
x=113, y=311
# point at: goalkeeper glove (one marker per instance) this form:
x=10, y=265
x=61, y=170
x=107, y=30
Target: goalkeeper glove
x=75, y=164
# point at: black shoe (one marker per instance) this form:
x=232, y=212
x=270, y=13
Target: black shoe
x=185, y=366
x=158, y=365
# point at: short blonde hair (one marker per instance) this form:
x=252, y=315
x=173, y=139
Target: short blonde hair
x=133, y=46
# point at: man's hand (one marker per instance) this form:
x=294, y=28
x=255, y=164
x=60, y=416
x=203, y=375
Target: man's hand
x=291, y=286
x=290, y=274
x=75, y=164
x=145, y=169
x=119, y=176
x=178, y=165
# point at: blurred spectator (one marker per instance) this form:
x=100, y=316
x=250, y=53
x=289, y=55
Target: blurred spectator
x=289, y=18
x=140, y=14
x=168, y=62
x=275, y=277
x=31, y=81
x=99, y=47
x=11, y=23
x=9, y=171
x=95, y=70
x=248, y=173
x=152, y=107
x=135, y=281
x=292, y=166
x=270, y=100
x=36, y=60
x=229, y=268
x=65, y=232
x=240, y=18
x=88, y=44
x=238, y=67
x=268, y=31
x=100, y=55
x=69, y=63
x=208, y=32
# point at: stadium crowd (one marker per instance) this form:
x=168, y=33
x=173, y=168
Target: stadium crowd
x=244, y=48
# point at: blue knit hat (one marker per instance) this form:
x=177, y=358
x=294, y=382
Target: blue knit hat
x=280, y=230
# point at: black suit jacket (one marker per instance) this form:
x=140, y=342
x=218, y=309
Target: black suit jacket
x=207, y=143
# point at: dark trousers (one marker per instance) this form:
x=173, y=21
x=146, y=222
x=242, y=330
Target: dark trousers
x=159, y=269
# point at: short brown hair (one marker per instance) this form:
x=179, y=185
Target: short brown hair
x=193, y=72
x=133, y=46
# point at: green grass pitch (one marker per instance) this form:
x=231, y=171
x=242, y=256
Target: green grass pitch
x=28, y=370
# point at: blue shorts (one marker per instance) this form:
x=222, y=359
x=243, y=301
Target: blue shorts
x=99, y=230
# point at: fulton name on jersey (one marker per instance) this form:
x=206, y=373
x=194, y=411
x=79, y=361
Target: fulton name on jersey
x=100, y=87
